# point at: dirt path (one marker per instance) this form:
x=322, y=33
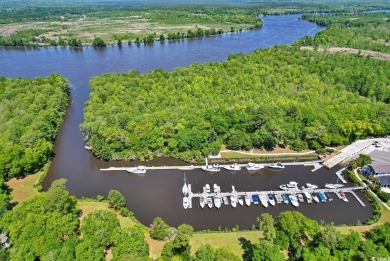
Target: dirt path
x=378, y=55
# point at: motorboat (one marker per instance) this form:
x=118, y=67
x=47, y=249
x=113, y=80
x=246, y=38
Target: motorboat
x=315, y=197
x=293, y=200
x=185, y=202
x=343, y=197
x=137, y=170
x=217, y=202
x=233, y=167
x=285, y=198
x=310, y=186
x=263, y=200
x=333, y=186
x=322, y=197
x=191, y=167
x=202, y=202
x=247, y=200
x=233, y=201
x=185, y=189
x=271, y=199
x=255, y=199
x=308, y=197
x=211, y=168
x=225, y=200
x=300, y=198
x=216, y=188
x=207, y=188
x=278, y=198
x=240, y=200
x=233, y=189
x=209, y=202
x=290, y=185
x=329, y=196
x=253, y=166
x=277, y=165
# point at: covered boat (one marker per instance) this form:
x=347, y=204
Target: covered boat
x=277, y=165
x=211, y=168
x=185, y=202
x=271, y=199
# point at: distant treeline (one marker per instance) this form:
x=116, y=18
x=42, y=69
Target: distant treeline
x=360, y=31
x=31, y=114
x=279, y=95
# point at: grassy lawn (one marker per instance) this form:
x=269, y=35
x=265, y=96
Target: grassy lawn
x=89, y=206
x=230, y=240
x=23, y=189
x=155, y=246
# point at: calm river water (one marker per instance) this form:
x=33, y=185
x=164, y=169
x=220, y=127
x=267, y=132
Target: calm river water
x=158, y=193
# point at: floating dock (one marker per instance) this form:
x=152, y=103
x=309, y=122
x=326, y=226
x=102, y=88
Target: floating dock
x=315, y=164
x=192, y=195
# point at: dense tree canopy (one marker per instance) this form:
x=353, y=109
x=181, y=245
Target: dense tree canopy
x=45, y=227
x=360, y=31
x=31, y=111
x=281, y=94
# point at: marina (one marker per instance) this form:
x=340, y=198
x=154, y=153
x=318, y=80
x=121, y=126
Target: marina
x=292, y=195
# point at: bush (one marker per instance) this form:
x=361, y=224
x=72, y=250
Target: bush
x=116, y=200
x=99, y=198
x=98, y=42
x=126, y=213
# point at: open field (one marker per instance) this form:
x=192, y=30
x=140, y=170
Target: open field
x=229, y=240
x=86, y=29
x=377, y=55
x=23, y=189
x=87, y=207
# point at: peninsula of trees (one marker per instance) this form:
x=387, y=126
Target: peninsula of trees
x=31, y=112
x=303, y=99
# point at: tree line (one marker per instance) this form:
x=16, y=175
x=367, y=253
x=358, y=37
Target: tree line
x=301, y=99
x=360, y=31
x=31, y=114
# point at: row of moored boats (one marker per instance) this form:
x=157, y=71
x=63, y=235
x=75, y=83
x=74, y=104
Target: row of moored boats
x=235, y=167
x=217, y=199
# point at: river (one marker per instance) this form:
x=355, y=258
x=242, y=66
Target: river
x=158, y=193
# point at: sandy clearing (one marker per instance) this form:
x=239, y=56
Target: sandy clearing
x=378, y=55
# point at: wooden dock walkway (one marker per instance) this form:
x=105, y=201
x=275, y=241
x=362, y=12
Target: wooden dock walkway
x=358, y=199
x=340, y=176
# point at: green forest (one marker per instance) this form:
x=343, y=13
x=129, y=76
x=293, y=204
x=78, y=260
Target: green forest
x=303, y=99
x=31, y=112
x=360, y=31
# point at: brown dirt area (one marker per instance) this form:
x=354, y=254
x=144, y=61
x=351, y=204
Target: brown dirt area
x=378, y=55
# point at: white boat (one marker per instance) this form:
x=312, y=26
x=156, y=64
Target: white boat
x=225, y=200
x=233, y=201
x=217, y=202
x=233, y=167
x=253, y=166
x=240, y=200
x=263, y=199
x=211, y=168
x=277, y=165
x=310, y=186
x=247, y=200
x=185, y=189
x=137, y=170
x=185, y=202
x=207, y=188
x=300, y=198
x=293, y=200
x=308, y=197
x=291, y=185
x=333, y=186
x=209, y=202
x=315, y=197
x=216, y=188
x=191, y=167
x=202, y=202
x=271, y=199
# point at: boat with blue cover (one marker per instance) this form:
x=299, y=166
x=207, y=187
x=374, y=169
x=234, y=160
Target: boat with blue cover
x=255, y=199
x=322, y=197
x=285, y=198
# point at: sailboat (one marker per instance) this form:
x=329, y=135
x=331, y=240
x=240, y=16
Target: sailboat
x=185, y=187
